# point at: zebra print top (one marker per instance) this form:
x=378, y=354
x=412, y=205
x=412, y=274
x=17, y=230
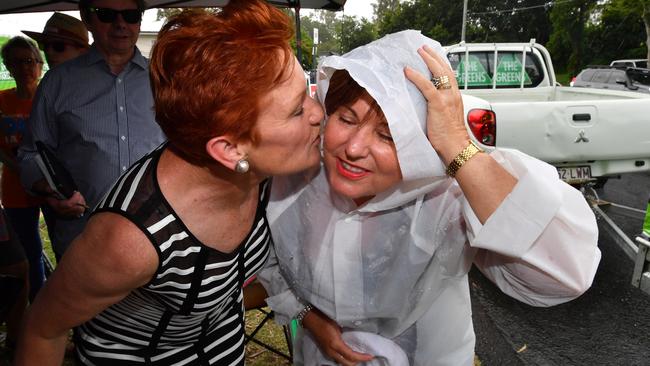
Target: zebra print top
x=191, y=312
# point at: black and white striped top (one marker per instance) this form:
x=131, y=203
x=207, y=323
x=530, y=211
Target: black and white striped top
x=191, y=312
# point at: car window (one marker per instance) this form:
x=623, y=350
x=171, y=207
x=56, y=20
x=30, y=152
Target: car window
x=601, y=76
x=480, y=69
x=617, y=75
x=587, y=75
x=643, y=64
x=628, y=64
x=639, y=76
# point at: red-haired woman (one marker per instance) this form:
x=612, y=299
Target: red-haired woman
x=158, y=272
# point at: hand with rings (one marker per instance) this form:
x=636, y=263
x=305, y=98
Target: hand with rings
x=445, y=117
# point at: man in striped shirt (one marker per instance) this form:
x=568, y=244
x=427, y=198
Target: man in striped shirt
x=95, y=112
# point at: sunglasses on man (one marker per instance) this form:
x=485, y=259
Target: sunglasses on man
x=108, y=15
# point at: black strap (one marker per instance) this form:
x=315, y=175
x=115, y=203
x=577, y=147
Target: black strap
x=197, y=278
x=198, y=347
x=155, y=337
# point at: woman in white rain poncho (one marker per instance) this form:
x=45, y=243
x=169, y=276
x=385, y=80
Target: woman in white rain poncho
x=380, y=239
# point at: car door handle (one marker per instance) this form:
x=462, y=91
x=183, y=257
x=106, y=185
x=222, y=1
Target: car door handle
x=582, y=117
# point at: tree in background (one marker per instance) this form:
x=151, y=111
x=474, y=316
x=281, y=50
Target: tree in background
x=437, y=19
x=326, y=23
x=338, y=33
x=576, y=32
x=646, y=23
x=618, y=32
x=306, y=47
x=569, y=20
x=353, y=33
x=508, y=21
x=382, y=7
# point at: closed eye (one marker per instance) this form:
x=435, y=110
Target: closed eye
x=347, y=121
x=386, y=137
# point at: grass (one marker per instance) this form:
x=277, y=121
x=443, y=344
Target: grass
x=271, y=334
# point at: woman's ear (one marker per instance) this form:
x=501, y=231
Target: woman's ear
x=225, y=150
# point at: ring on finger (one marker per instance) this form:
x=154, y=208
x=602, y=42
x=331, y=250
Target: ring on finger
x=441, y=82
x=444, y=83
x=436, y=82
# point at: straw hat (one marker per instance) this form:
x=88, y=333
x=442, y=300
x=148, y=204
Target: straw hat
x=62, y=27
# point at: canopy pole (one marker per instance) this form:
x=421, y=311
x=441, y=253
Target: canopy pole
x=462, y=31
x=298, y=33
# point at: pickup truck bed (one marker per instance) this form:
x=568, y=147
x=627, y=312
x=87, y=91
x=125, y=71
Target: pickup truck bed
x=586, y=133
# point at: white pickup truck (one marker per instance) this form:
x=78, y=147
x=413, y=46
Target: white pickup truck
x=586, y=133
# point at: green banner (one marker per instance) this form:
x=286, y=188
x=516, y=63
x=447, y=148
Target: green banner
x=476, y=73
x=509, y=71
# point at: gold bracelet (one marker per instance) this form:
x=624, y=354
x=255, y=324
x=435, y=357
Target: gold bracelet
x=462, y=158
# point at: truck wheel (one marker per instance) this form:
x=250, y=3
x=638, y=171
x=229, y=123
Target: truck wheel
x=600, y=182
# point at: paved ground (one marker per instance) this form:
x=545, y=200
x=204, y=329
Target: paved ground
x=608, y=325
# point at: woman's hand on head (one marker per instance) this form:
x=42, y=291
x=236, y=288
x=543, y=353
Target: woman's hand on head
x=445, y=118
x=327, y=334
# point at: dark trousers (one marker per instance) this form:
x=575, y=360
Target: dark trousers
x=25, y=223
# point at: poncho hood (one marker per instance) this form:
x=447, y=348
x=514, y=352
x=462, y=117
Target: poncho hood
x=378, y=67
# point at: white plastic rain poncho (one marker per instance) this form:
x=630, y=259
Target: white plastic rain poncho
x=397, y=266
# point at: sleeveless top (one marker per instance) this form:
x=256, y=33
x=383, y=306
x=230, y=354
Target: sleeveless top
x=191, y=312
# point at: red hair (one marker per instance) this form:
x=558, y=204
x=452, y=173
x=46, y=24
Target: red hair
x=209, y=71
x=344, y=91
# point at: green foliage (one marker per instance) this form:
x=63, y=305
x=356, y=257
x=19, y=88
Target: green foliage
x=325, y=22
x=354, y=33
x=646, y=21
x=497, y=21
x=306, y=42
x=306, y=57
x=569, y=21
x=619, y=34
x=438, y=19
x=576, y=32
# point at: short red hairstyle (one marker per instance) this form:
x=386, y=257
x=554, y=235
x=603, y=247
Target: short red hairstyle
x=344, y=91
x=209, y=71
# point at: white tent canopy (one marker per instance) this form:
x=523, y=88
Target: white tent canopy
x=26, y=6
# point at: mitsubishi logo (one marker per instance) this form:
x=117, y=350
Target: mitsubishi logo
x=581, y=137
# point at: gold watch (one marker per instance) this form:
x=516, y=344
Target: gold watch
x=462, y=158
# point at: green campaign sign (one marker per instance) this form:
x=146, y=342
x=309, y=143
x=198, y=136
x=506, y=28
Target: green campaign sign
x=476, y=74
x=509, y=71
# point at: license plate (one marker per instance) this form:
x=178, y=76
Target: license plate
x=574, y=173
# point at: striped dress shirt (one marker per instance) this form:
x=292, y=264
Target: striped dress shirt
x=97, y=124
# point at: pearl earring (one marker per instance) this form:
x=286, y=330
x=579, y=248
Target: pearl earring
x=242, y=166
